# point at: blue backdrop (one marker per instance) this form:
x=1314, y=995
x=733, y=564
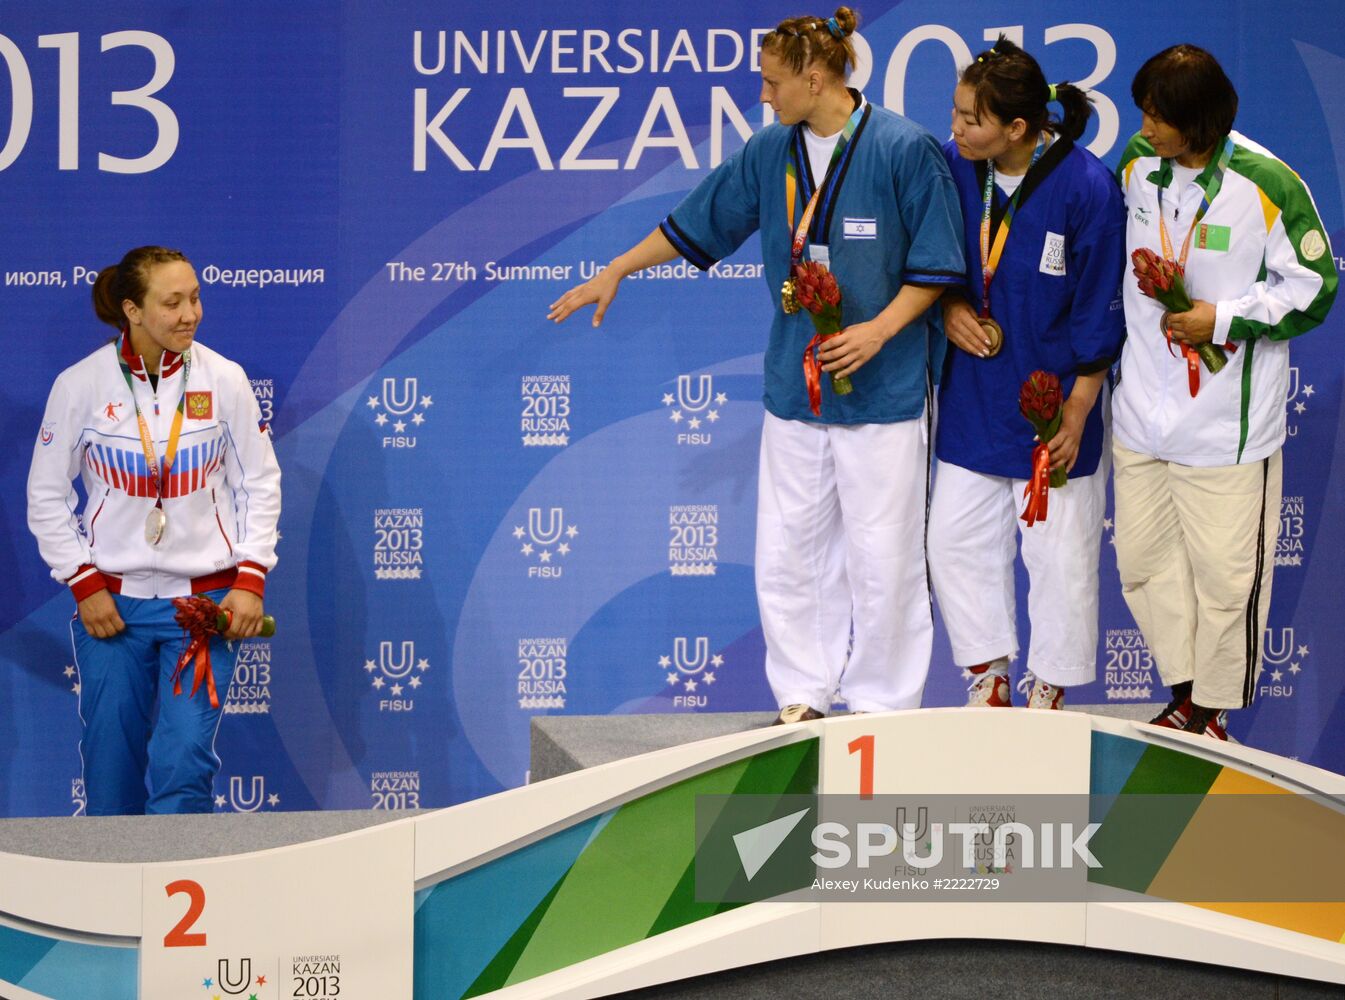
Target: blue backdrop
x=487, y=517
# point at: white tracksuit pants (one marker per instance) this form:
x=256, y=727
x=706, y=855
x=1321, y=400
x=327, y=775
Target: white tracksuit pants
x=840, y=545
x=973, y=527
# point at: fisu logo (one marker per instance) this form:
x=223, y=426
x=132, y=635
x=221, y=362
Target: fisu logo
x=1277, y=649
x=551, y=533
x=233, y=985
x=1296, y=398
x=400, y=665
x=545, y=536
x=692, y=403
x=686, y=670
x=247, y=795
x=401, y=403
x=1282, y=657
x=252, y=800
x=700, y=399
x=696, y=663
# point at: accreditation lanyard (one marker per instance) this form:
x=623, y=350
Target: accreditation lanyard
x=1210, y=190
x=792, y=186
x=990, y=255
x=159, y=476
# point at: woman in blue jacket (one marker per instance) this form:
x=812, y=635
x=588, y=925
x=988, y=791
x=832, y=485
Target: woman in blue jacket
x=1045, y=242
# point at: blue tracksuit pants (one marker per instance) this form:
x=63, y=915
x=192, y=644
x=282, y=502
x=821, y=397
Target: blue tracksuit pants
x=135, y=762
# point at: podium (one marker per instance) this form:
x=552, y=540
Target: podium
x=614, y=877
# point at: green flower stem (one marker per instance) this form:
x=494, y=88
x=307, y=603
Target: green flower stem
x=828, y=323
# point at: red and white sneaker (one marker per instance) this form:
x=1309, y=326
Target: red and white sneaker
x=1177, y=712
x=988, y=689
x=1211, y=722
x=1046, y=696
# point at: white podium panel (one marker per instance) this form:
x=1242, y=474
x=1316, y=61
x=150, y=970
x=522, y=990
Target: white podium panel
x=329, y=920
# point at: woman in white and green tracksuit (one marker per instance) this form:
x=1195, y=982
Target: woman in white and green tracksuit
x=1198, y=455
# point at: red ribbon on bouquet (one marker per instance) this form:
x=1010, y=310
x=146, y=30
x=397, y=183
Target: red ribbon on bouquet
x=812, y=371
x=200, y=618
x=1038, y=488
x=1192, y=357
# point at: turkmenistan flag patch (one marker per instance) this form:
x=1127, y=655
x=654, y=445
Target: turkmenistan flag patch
x=1212, y=237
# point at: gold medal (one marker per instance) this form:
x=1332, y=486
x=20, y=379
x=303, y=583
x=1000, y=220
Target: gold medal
x=156, y=522
x=788, y=300
x=995, y=332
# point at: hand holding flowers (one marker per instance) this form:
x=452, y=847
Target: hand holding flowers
x=1165, y=281
x=1041, y=401
x=813, y=287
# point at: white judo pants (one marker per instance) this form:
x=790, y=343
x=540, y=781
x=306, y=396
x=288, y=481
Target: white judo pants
x=841, y=545
x=974, y=530
x=1195, y=547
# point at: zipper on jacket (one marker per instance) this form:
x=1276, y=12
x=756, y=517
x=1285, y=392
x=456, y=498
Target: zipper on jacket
x=223, y=534
x=94, y=519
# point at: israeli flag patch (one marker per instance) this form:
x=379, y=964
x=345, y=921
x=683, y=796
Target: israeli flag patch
x=861, y=229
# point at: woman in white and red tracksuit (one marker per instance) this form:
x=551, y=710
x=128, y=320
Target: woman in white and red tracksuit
x=182, y=497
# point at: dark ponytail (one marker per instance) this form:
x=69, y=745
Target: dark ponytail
x=128, y=280
x=1009, y=84
x=1078, y=107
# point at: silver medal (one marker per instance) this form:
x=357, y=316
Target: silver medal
x=155, y=524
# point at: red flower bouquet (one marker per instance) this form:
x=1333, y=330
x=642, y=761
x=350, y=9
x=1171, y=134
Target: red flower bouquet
x=1041, y=401
x=813, y=287
x=1165, y=281
x=201, y=618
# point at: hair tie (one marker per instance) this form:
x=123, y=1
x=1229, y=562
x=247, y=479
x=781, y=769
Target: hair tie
x=834, y=27
x=1050, y=93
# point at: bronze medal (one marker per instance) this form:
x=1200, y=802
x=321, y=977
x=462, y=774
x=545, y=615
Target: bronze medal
x=995, y=332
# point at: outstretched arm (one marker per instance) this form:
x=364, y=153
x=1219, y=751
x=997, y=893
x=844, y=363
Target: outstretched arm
x=601, y=288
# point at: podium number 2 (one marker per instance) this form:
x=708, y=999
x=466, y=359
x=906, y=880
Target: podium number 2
x=864, y=747
x=178, y=936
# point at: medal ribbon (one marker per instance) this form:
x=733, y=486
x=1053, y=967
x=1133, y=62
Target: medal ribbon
x=1038, y=488
x=1210, y=189
x=146, y=441
x=990, y=255
x=792, y=184
x=812, y=367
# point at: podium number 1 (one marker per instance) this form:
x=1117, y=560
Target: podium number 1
x=178, y=936
x=864, y=747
